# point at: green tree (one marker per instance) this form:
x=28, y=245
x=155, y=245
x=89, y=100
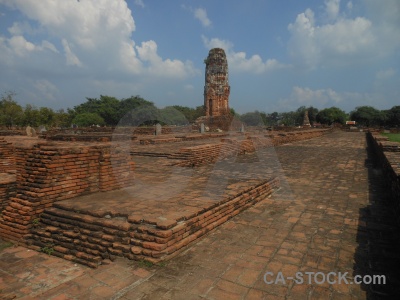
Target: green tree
x=252, y=118
x=11, y=113
x=127, y=105
x=264, y=117
x=331, y=115
x=88, y=119
x=191, y=114
x=46, y=116
x=368, y=116
x=299, y=114
x=62, y=118
x=289, y=118
x=312, y=114
x=110, y=108
x=272, y=119
x=393, y=116
x=31, y=116
x=171, y=116
x=198, y=112
x=234, y=113
x=145, y=115
x=107, y=107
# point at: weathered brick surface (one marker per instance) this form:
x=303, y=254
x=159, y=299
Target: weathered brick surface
x=8, y=132
x=216, y=88
x=388, y=154
x=7, y=174
x=47, y=173
x=180, y=138
x=88, y=239
x=7, y=161
x=210, y=153
x=339, y=221
x=7, y=189
x=224, y=122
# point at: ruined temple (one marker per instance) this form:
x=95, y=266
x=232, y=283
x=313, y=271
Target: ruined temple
x=216, y=88
x=306, y=120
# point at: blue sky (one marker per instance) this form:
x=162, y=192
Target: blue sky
x=281, y=54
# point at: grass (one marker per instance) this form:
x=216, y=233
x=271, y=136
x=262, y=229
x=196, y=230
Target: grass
x=48, y=249
x=148, y=265
x=393, y=137
x=4, y=245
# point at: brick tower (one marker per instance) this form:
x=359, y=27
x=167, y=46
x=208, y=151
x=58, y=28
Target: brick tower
x=306, y=120
x=216, y=88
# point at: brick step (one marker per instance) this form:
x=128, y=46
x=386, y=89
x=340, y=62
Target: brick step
x=152, y=154
x=88, y=238
x=157, y=154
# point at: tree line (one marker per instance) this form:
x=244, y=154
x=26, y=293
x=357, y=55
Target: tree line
x=135, y=111
x=363, y=115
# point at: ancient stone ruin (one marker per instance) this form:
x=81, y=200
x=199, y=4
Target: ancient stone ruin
x=306, y=120
x=143, y=197
x=216, y=88
x=216, y=93
x=143, y=193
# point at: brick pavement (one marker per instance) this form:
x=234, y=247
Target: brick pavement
x=330, y=216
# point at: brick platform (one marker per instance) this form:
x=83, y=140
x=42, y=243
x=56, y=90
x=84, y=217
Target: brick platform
x=166, y=205
x=87, y=235
x=50, y=172
x=339, y=220
x=388, y=158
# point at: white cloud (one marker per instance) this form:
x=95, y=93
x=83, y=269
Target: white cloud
x=201, y=15
x=139, y=3
x=130, y=62
x=385, y=17
x=332, y=8
x=188, y=87
x=216, y=43
x=20, y=45
x=342, y=40
x=238, y=61
x=385, y=74
x=71, y=58
x=156, y=66
x=324, y=98
x=254, y=64
x=48, y=90
x=349, y=5
x=20, y=28
x=306, y=96
x=95, y=34
x=49, y=46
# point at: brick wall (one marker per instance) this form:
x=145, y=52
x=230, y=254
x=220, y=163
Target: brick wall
x=8, y=132
x=224, y=122
x=47, y=173
x=88, y=239
x=7, y=161
x=388, y=158
x=7, y=189
x=210, y=153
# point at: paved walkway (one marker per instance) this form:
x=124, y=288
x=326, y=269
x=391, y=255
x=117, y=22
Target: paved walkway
x=329, y=217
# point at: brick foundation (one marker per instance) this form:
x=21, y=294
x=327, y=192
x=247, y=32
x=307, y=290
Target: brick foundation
x=46, y=206
x=7, y=159
x=88, y=238
x=47, y=173
x=210, y=153
x=388, y=158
